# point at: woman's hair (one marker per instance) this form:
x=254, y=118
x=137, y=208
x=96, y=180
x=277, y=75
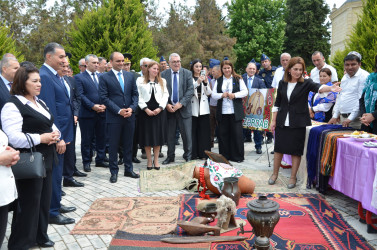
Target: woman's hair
x=158, y=77
x=227, y=62
x=326, y=70
x=193, y=63
x=292, y=62
x=20, y=78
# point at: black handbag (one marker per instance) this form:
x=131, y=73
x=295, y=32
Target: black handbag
x=31, y=164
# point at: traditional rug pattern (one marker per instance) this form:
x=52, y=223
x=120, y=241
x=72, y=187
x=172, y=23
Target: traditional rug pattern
x=140, y=215
x=307, y=221
x=171, y=178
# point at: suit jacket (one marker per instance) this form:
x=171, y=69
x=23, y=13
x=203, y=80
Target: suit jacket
x=55, y=95
x=297, y=106
x=186, y=89
x=88, y=91
x=115, y=99
x=202, y=107
x=75, y=95
x=4, y=94
x=256, y=84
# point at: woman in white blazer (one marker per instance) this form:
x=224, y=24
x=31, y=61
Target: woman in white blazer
x=201, y=130
x=153, y=97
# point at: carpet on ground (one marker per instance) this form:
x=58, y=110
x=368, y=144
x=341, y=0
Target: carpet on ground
x=180, y=177
x=140, y=215
x=307, y=221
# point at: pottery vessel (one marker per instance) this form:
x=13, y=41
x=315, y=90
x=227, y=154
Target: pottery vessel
x=245, y=185
x=263, y=215
x=231, y=190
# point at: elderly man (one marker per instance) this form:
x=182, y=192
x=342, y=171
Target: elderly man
x=181, y=89
x=101, y=65
x=9, y=66
x=55, y=93
x=319, y=62
x=82, y=65
x=346, y=109
x=144, y=65
x=279, y=73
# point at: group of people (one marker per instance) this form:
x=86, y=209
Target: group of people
x=120, y=111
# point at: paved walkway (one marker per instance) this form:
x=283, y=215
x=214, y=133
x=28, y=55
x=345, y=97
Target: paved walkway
x=97, y=185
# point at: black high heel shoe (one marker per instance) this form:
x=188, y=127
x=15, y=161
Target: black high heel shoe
x=157, y=168
x=151, y=167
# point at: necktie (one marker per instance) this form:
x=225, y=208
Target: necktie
x=95, y=79
x=62, y=82
x=121, y=81
x=250, y=83
x=175, y=88
x=10, y=84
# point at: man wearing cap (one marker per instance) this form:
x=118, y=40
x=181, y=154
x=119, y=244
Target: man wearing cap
x=346, y=108
x=127, y=62
x=319, y=62
x=163, y=64
x=279, y=73
x=267, y=74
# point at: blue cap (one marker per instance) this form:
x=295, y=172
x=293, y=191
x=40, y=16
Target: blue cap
x=264, y=57
x=213, y=62
x=162, y=59
x=256, y=63
x=225, y=58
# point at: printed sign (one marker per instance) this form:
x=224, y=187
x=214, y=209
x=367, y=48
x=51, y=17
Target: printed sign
x=257, y=108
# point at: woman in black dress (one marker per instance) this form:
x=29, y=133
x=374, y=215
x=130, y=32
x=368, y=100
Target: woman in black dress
x=153, y=97
x=290, y=116
x=201, y=129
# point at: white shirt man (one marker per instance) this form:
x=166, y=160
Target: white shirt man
x=279, y=73
x=319, y=61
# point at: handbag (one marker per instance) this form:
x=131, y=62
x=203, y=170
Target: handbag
x=31, y=164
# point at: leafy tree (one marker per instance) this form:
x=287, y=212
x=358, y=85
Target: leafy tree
x=337, y=61
x=307, y=29
x=259, y=27
x=118, y=25
x=7, y=44
x=211, y=27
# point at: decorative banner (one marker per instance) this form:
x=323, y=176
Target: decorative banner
x=257, y=107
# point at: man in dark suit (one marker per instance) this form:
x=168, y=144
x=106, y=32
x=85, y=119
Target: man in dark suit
x=118, y=92
x=181, y=89
x=254, y=82
x=56, y=96
x=70, y=155
x=9, y=66
x=91, y=115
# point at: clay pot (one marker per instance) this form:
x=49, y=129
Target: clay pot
x=245, y=185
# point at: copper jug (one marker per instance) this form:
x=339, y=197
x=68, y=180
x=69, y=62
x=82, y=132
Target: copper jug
x=231, y=190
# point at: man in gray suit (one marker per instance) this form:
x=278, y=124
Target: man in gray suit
x=181, y=89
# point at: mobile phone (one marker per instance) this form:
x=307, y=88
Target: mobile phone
x=202, y=73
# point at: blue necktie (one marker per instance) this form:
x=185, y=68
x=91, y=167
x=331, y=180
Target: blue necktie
x=95, y=79
x=121, y=81
x=250, y=83
x=175, y=88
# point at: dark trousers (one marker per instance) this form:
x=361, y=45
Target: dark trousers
x=30, y=220
x=246, y=133
x=3, y=222
x=121, y=133
x=69, y=161
x=258, y=138
x=212, y=121
x=230, y=137
x=269, y=135
x=201, y=136
x=90, y=127
x=185, y=125
x=57, y=176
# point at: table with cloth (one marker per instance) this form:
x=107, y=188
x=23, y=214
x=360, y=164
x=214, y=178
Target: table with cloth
x=354, y=174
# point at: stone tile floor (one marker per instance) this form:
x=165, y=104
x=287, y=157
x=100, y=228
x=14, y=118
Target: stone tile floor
x=97, y=185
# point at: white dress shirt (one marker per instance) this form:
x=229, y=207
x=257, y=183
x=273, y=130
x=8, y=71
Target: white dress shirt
x=12, y=121
x=227, y=86
x=314, y=73
x=116, y=75
x=279, y=74
x=95, y=76
x=8, y=189
x=347, y=101
x=6, y=82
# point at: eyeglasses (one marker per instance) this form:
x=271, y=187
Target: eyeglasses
x=176, y=62
x=145, y=65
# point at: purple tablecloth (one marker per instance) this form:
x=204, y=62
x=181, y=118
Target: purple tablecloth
x=355, y=170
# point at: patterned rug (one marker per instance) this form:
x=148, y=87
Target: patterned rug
x=307, y=221
x=139, y=215
x=171, y=178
